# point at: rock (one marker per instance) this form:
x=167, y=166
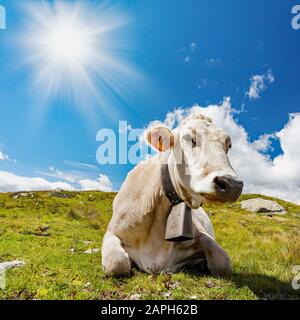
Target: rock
x=22, y=195
x=194, y=297
x=91, y=251
x=263, y=206
x=59, y=194
x=12, y=264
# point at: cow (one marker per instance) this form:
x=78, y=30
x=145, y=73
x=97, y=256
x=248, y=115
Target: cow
x=196, y=157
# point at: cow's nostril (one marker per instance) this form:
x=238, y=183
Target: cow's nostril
x=221, y=184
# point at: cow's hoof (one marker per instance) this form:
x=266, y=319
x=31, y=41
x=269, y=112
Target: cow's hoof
x=117, y=266
x=219, y=264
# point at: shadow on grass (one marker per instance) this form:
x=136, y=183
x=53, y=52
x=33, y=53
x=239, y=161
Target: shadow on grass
x=263, y=286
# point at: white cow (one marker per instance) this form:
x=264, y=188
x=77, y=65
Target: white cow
x=196, y=157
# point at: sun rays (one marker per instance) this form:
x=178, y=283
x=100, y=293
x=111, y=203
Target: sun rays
x=77, y=51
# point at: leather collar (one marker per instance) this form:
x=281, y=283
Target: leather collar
x=168, y=186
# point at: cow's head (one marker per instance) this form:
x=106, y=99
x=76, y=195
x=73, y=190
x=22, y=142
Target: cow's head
x=198, y=161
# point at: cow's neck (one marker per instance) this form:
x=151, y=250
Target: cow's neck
x=164, y=203
x=158, y=202
x=168, y=186
x=173, y=166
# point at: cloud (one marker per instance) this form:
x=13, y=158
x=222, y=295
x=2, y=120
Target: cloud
x=214, y=62
x=193, y=46
x=55, y=173
x=190, y=52
x=264, y=143
x=102, y=184
x=174, y=117
x=81, y=165
x=10, y=182
x=204, y=83
x=3, y=156
x=279, y=177
x=259, y=84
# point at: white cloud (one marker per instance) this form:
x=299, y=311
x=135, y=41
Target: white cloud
x=81, y=165
x=3, y=156
x=259, y=84
x=214, y=61
x=102, y=184
x=264, y=143
x=174, y=118
x=204, y=83
x=190, y=52
x=55, y=173
x=279, y=177
x=11, y=182
x=79, y=182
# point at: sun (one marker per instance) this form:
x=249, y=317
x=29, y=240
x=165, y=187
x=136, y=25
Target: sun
x=68, y=41
x=76, y=49
x=67, y=44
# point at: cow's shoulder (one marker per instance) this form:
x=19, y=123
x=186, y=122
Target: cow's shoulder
x=136, y=202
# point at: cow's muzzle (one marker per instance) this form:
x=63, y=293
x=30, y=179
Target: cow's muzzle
x=227, y=187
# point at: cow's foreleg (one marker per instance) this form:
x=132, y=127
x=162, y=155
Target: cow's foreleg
x=115, y=260
x=217, y=259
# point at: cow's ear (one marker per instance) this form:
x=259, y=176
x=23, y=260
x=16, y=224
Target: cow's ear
x=161, y=138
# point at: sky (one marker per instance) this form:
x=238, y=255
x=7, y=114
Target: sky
x=143, y=61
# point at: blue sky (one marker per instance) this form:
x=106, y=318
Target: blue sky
x=184, y=52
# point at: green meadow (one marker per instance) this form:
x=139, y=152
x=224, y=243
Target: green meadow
x=50, y=231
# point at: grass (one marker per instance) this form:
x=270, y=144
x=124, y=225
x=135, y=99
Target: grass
x=51, y=230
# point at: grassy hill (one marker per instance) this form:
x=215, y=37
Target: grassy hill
x=50, y=231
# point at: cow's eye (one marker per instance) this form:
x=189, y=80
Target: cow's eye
x=190, y=140
x=228, y=143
